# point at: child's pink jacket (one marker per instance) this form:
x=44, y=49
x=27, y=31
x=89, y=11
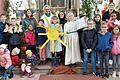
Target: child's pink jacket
x=116, y=46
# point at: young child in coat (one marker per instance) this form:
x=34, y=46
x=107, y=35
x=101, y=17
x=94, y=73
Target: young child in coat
x=30, y=39
x=30, y=57
x=41, y=40
x=104, y=45
x=15, y=57
x=115, y=51
x=111, y=22
x=89, y=42
x=58, y=46
x=13, y=33
x=5, y=63
x=26, y=69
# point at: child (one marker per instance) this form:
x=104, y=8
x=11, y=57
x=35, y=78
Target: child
x=115, y=51
x=41, y=40
x=89, y=41
x=72, y=53
x=30, y=39
x=58, y=47
x=14, y=56
x=104, y=45
x=14, y=33
x=2, y=27
x=97, y=20
x=111, y=21
x=26, y=68
x=5, y=63
x=30, y=57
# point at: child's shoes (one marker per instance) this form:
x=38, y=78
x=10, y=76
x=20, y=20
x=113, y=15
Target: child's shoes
x=114, y=74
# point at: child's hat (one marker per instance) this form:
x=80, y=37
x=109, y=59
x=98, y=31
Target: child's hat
x=17, y=50
x=4, y=46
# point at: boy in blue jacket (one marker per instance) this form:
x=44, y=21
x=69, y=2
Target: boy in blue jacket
x=104, y=45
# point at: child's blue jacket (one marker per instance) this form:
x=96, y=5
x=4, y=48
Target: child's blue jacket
x=105, y=42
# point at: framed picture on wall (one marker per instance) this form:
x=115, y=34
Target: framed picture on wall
x=57, y=3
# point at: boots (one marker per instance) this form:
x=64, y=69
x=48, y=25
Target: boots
x=114, y=74
x=53, y=61
x=57, y=61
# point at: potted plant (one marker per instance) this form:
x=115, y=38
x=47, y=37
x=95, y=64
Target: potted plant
x=87, y=7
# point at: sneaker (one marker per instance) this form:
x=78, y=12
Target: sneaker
x=114, y=74
x=30, y=75
x=107, y=75
x=11, y=75
x=95, y=73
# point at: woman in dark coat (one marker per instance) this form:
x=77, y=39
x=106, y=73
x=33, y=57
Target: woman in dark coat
x=62, y=18
x=29, y=20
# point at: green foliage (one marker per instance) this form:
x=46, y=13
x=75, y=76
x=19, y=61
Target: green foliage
x=118, y=6
x=87, y=7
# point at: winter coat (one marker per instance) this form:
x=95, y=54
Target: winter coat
x=30, y=38
x=5, y=60
x=28, y=21
x=12, y=35
x=89, y=39
x=2, y=27
x=105, y=42
x=15, y=39
x=97, y=25
x=111, y=24
x=116, y=46
x=40, y=38
x=31, y=59
x=15, y=60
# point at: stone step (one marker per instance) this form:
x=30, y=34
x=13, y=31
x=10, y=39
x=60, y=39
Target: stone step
x=46, y=68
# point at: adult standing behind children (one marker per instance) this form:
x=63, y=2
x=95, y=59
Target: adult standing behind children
x=72, y=53
x=47, y=18
x=106, y=15
x=29, y=20
x=62, y=19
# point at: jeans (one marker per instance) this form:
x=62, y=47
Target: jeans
x=116, y=62
x=104, y=61
x=92, y=55
x=4, y=73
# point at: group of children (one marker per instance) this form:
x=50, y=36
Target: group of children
x=99, y=39
x=102, y=45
